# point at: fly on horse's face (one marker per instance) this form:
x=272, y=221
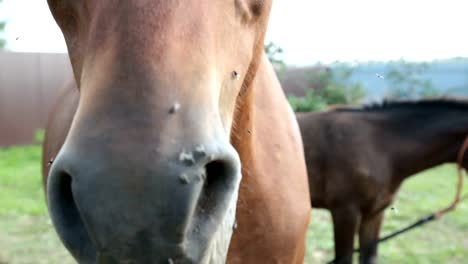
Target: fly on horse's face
x=147, y=173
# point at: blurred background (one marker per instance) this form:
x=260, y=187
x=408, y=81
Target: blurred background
x=324, y=52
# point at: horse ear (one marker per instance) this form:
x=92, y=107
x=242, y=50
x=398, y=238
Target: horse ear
x=57, y=4
x=64, y=13
x=257, y=7
x=251, y=9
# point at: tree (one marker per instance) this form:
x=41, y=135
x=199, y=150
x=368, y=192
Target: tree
x=2, y=40
x=324, y=88
x=274, y=54
x=2, y=28
x=406, y=82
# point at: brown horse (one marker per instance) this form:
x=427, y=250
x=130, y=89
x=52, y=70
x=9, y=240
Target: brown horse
x=145, y=154
x=361, y=156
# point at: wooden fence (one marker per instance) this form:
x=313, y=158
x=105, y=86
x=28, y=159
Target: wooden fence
x=29, y=84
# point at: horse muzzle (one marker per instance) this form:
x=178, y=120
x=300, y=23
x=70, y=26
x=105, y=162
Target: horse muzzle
x=111, y=207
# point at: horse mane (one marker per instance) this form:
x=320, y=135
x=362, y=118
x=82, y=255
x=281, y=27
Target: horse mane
x=424, y=104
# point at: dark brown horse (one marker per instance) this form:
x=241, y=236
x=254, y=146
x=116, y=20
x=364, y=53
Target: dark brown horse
x=146, y=152
x=358, y=159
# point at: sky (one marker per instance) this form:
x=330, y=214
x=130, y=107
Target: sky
x=309, y=31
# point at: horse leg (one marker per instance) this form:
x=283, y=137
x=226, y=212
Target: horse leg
x=345, y=223
x=368, y=236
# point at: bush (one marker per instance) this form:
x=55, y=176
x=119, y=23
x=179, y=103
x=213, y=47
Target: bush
x=308, y=103
x=331, y=88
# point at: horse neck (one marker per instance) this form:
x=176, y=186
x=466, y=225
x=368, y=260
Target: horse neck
x=418, y=139
x=242, y=126
x=241, y=137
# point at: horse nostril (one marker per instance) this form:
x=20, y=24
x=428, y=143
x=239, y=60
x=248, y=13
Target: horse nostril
x=219, y=180
x=217, y=174
x=66, y=217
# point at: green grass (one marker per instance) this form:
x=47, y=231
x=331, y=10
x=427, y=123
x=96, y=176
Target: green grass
x=26, y=233
x=20, y=183
x=27, y=236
